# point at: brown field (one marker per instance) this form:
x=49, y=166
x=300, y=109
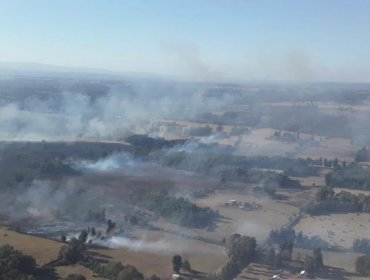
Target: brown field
x=203, y=256
x=155, y=249
x=365, y=192
x=43, y=250
x=160, y=264
x=256, y=271
x=256, y=143
x=64, y=271
x=311, y=181
x=340, y=264
x=337, y=229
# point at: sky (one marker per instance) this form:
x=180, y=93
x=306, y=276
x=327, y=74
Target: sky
x=231, y=40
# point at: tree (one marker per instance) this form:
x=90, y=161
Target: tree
x=324, y=194
x=286, y=249
x=186, y=266
x=278, y=260
x=82, y=237
x=271, y=256
x=309, y=264
x=129, y=273
x=176, y=263
x=154, y=277
x=73, y=252
x=242, y=248
x=363, y=265
x=27, y=264
x=133, y=220
x=15, y=265
x=63, y=238
x=362, y=155
x=317, y=259
x=230, y=269
x=110, y=226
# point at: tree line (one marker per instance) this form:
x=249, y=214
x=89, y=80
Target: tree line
x=353, y=176
x=327, y=201
x=241, y=251
x=176, y=209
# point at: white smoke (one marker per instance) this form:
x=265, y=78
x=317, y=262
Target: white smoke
x=112, y=162
x=164, y=245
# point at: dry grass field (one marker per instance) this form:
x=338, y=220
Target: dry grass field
x=337, y=229
x=152, y=251
x=273, y=214
x=339, y=265
x=43, y=250
x=64, y=271
x=256, y=271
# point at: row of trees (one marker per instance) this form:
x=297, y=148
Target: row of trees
x=353, y=176
x=149, y=144
x=207, y=160
x=177, y=210
x=327, y=201
x=361, y=245
x=115, y=270
x=288, y=235
x=268, y=179
x=241, y=251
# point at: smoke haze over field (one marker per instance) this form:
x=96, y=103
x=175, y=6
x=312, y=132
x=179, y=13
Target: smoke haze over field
x=109, y=116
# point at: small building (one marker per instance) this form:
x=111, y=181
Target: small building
x=231, y=202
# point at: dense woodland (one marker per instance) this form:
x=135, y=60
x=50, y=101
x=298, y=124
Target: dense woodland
x=22, y=162
x=208, y=159
x=176, y=209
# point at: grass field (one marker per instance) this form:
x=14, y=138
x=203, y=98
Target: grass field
x=153, y=252
x=43, y=250
x=64, y=271
x=337, y=229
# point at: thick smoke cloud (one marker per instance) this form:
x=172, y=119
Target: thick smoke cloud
x=121, y=111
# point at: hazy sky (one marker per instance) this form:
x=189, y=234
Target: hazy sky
x=203, y=39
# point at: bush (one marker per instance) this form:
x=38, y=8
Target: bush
x=363, y=265
x=75, y=277
x=15, y=265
